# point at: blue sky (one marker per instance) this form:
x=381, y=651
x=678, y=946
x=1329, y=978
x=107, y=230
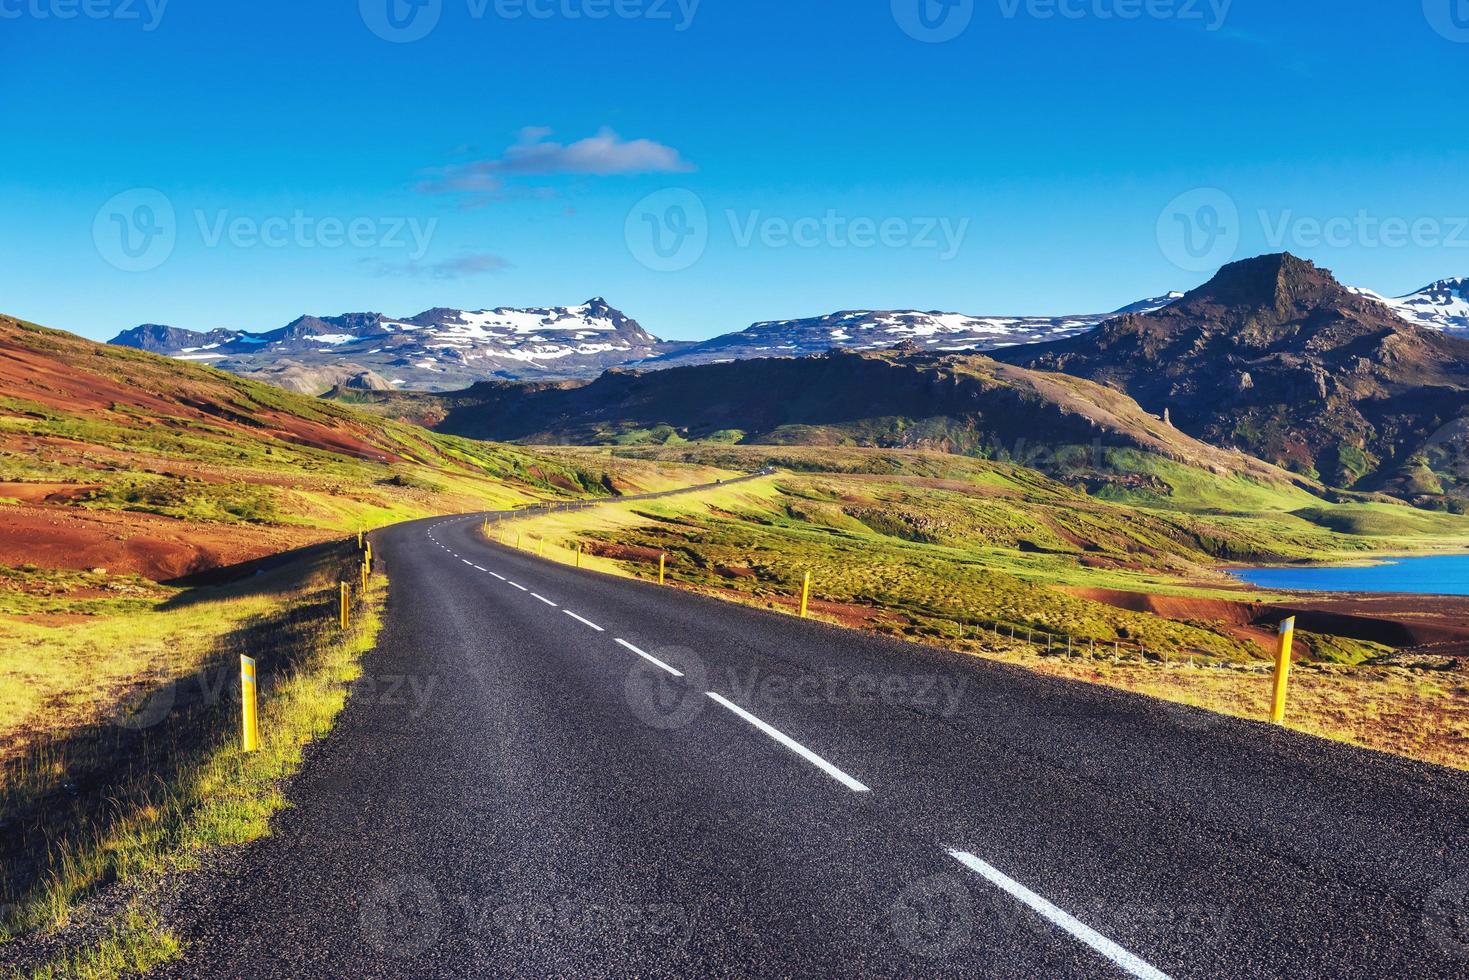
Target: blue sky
x=268, y=159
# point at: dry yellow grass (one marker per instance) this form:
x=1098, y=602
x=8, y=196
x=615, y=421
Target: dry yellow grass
x=1420, y=714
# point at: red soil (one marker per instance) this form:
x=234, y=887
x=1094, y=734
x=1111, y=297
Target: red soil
x=158, y=548
x=1405, y=622
x=67, y=386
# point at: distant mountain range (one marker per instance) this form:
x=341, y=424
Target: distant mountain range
x=446, y=349
x=1442, y=306
x=436, y=350
x=1272, y=359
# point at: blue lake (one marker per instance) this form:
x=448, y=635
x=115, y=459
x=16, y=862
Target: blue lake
x=1438, y=575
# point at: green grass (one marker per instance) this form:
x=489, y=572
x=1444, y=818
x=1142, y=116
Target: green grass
x=928, y=546
x=167, y=779
x=188, y=442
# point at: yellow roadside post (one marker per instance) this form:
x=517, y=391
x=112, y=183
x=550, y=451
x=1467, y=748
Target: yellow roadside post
x=249, y=715
x=364, y=577
x=1282, y=670
x=578, y=554
x=805, y=594
x=359, y=540
x=343, y=604
x=368, y=553
x=517, y=540
x=662, y=568
x=540, y=547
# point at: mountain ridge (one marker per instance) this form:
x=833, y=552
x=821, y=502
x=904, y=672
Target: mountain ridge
x=1275, y=356
x=443, y=348
x=902, y=398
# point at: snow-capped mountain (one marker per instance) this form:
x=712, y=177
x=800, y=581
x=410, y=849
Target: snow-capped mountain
x=439, y=349
x=448, y=349
x=1444, y=305
x=874, y=329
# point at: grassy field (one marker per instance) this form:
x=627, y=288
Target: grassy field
x=997, y=560
x=129, y=776
x=124, y=460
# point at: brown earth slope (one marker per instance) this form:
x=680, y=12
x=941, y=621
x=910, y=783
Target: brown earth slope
x=119, y=459
x=1276, y=357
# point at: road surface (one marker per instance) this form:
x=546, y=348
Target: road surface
x=552, y=772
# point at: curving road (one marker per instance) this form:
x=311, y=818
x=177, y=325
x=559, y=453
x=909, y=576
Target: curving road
x=551, y=772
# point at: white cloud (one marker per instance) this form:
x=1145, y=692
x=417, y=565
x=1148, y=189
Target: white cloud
x=536, y=155
x=462, y=267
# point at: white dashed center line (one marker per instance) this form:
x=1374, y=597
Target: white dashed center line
x=584, y=622
x=543, y=599
x=793, y=745
x=517, y=585
x=499, y=576
x=651, y=659
x=1136, y=967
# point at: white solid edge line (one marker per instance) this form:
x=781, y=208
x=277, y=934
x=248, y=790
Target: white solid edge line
x=543, y=599
x=651, y=659
x=585, y=622
x=1127, y=961
x=517, y=585
x=793, y=745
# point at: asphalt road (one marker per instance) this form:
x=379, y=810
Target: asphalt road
x=523, y=787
